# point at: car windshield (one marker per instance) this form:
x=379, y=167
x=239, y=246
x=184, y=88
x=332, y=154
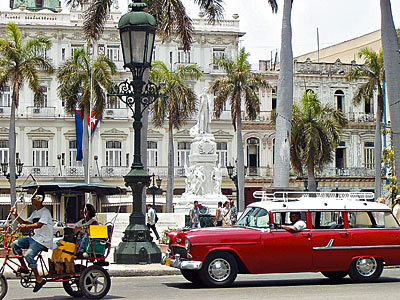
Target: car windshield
x=254, y=217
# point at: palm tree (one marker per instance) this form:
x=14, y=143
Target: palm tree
x=391, y=61
x=315, y=135
x=77, y=77
x=176, y=109
x=20, y=61
x=285, y=98
x=170, y=15
x=238, y=85
x=374, y=72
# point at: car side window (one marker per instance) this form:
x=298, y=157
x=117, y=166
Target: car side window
x=327, y=220
x=385, y=219
x=361, y=219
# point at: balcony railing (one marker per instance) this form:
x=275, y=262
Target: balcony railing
x=117, y=113
x=265, y=116
x=40, y=112
x=5, y=111
x=360, y=117
x=351, y=172
x=49, y=171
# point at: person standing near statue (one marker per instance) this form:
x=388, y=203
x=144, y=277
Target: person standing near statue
x=194, y=215
x=233, y=212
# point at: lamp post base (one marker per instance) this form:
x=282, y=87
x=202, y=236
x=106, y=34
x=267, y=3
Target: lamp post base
x=139, y=249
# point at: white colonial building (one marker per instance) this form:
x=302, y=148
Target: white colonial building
x=46, y=141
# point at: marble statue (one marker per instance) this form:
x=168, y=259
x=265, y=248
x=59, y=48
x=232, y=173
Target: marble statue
x=204, y=116
x=217, y=178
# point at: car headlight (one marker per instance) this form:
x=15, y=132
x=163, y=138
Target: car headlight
x=187, y=244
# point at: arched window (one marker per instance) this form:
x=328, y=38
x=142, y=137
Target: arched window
x=339, y=99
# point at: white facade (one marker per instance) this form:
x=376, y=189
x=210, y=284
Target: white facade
x=46, y=134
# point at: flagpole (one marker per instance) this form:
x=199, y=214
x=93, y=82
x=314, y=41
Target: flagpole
x=89, y=128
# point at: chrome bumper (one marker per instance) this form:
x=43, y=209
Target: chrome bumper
x=181, y=264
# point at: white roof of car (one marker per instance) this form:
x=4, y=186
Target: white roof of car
x=318, y=201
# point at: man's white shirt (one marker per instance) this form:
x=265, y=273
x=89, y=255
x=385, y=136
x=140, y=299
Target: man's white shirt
x=44, y=234
x=300, y=225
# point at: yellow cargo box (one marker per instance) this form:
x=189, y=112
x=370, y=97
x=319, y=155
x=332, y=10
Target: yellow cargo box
x=64, y=251
x=98, y=231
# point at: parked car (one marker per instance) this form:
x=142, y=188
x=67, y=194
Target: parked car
x=58, y=228
x=345, y=235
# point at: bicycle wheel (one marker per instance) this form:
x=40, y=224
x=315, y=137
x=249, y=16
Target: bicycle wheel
x=72, y=286
x=95, y=282
x=3, y=286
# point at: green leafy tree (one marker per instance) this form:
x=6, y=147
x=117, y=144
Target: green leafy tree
x=239, y=86
x=176, y=109
x=76, y=77
x=374, y=72
x=170, y=15
x=20, y=61
x=315, y=135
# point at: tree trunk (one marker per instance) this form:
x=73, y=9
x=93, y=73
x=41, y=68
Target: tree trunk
x=378, y=148
x=285, y=102
x=170, y=182
x=240, y=163
x=12, y=145
x=391, y=61
x=85, y=147
x=312, y=186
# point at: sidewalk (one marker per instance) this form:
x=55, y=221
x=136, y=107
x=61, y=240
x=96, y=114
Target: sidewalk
x=118, y=270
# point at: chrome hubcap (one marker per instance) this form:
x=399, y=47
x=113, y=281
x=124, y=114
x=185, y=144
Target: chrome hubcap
x=219, y=269
x=366, y=266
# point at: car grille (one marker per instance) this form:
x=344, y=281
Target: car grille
x=176, y=249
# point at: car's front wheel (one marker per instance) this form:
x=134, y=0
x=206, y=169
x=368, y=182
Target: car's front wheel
x=219, y=270
x=366, y=269
x=335, y=275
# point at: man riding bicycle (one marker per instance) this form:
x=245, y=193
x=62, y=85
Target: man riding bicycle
x=42, y=224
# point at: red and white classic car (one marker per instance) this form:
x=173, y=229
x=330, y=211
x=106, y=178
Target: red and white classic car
x=345, y=235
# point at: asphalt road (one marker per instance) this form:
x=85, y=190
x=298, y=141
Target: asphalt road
x=270, y=286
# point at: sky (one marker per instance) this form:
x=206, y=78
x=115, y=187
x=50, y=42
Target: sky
x=336, y=20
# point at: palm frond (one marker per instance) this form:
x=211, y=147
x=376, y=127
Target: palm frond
x=95, y=18
x=213, y=9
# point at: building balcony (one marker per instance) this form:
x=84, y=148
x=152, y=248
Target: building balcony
x=116, y=113
x=360, y=117
x=48, y=171
x=263, y=116
x=5, y=111
x=347, y=172
x=40, y=112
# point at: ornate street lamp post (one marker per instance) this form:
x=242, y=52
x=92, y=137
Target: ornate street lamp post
x=232, y=173
x=154, y=188
x=18, y=164
x=137, y=31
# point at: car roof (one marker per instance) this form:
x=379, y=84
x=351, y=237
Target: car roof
x=320, y=202
x=74, y=188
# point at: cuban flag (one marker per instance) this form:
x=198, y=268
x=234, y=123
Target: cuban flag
x=93, y=122
x=79, y=134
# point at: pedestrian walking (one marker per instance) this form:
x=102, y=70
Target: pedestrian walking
x=396, y=208
x=226, y=215
x=234, y=212
x=194, y=215
x=218, y=215
x=151, y=220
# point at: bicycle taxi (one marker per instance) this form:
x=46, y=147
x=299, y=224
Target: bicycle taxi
x=81, y=276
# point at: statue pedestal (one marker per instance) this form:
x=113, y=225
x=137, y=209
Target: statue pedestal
x=204, y=178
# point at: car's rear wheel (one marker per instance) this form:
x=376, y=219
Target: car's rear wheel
x=192, y=276
x=335, y=275
x=366, y=269
x=219, y=270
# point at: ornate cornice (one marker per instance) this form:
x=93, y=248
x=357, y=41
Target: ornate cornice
x=114, y=133
x=40, y=132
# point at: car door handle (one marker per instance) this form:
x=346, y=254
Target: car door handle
x=344, y=234
x=306, y=234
